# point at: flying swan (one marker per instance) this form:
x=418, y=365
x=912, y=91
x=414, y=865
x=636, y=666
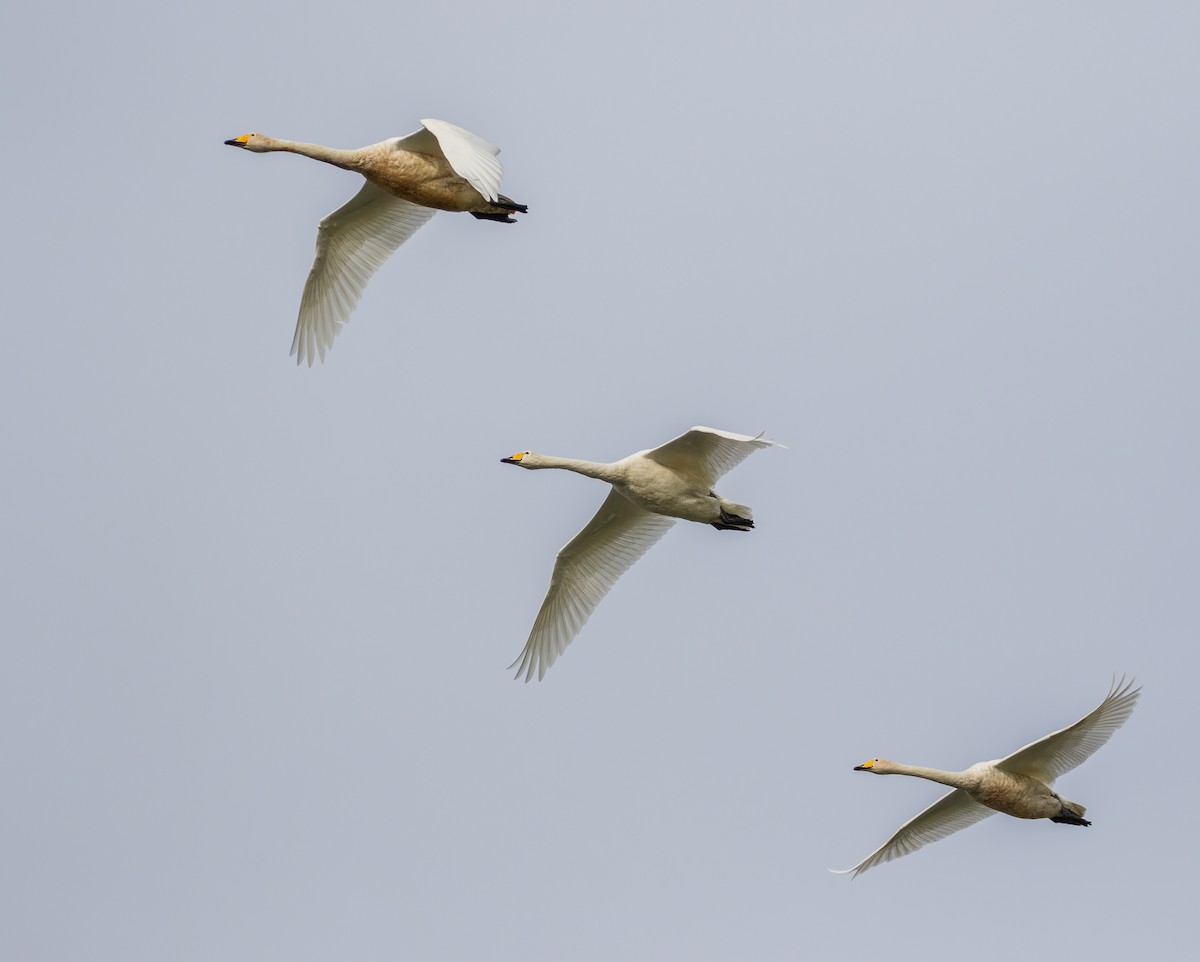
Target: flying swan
x=649, y=490
x=1021, y=785
x=409, y=179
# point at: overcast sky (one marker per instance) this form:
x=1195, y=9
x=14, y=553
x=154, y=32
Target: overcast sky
x=254, y=702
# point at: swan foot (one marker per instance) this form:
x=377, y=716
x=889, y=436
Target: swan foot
x=1068, y=817
x=731, y=522
x=503, y=203
x=509, y=204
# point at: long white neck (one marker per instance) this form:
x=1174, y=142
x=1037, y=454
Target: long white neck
x=593, y=469
x=953, y=779
x=348, y=159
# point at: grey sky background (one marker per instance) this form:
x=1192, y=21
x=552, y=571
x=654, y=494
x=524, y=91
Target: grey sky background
x=253, y=702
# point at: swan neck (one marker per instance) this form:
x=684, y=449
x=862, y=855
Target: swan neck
x=953, y=779
x=347, y=159
x=592, y=469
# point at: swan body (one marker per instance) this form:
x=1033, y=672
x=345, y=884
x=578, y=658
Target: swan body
x=408, y=179
x=649, y=490
x=1021, y=785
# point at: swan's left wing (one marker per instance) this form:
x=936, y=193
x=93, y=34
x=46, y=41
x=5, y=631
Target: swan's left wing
x=949, y=814
x=1060, y=751
x=473, y=158
x=584, y=571
x=352, y=244
x=706, y=453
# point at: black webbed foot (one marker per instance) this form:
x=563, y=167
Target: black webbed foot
x=731, y=522
x=1070, y=820
x=509, y=204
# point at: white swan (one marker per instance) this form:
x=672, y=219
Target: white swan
x=439, y=167
x=649, y=490
x=1021, y=785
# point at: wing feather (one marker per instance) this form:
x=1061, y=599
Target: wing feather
x=706, y=453
x=352, y=244
x=951, y=813
x=472, y=157
x=585, y=570
x=1060, y=751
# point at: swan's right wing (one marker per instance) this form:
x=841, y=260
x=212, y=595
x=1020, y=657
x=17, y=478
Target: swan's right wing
x=706, y=453
x=949, y=814
x=352, y=244
x=1060, y=751
x=584, y=571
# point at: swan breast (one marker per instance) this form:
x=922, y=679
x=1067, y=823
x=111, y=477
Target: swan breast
x=1021, y=796
x=424, y=179
x=657, y=488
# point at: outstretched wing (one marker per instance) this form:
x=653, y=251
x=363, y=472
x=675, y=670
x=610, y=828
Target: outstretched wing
x=352, y=244
x=584, y=571
x=706, y=453
x=1060, y=751
x=949, y=814
x=473, y=158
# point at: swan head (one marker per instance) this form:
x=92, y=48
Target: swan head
x=524, y=459
x=879, y=766
x=259, y=143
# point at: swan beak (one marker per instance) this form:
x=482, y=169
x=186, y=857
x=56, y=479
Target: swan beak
x=238, y=141
x=509, y=461
x=861, y=768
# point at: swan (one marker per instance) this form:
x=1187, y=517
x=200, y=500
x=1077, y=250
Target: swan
x=1021, y=785
x=409, y=179
x=649, y=490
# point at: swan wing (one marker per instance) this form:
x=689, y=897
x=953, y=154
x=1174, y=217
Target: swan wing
x=419, y=141
x=473, y=158
x=352, y=244
x=584, y=571
x=949, y=814
x=706, y=453
x=1060, y=751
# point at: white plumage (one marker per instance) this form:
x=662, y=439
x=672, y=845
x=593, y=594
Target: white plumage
x=1021, y=784
x=649, y=490
x=409, y=179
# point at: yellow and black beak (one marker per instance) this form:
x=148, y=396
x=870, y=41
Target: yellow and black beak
x=516, y=460
x=238, y=141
